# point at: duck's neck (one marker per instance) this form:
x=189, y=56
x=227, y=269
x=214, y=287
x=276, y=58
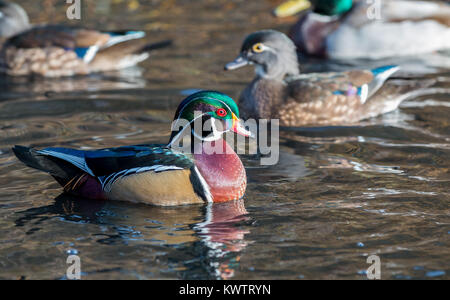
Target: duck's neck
x=222, y=170
x=286, y=65
x=280, y=71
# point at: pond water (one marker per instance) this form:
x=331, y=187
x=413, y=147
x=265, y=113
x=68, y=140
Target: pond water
x=337, y=196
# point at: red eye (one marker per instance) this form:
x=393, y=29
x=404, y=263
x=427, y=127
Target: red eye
x=221, y=112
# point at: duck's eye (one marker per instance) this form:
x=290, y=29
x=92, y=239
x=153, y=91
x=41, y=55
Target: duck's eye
x=258, y=48
x=221, y=112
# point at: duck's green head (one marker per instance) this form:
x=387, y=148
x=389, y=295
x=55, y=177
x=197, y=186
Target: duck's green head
x=332, y=7
x=218, y=108
x=323, y=7
x=13, y=19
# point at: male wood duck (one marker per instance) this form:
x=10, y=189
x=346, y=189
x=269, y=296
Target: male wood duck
x=279, y=90
x=157, y=174
x=346, y=29
x=58, y=50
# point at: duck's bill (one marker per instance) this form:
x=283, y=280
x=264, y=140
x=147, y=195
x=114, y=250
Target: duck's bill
x=291, y=7
x=239, y=129
x=239, y=62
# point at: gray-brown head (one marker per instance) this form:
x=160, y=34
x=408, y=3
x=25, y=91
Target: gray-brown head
x=13, y=19
x=272, y=52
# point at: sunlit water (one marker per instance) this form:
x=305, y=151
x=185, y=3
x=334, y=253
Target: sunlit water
x=337, y=195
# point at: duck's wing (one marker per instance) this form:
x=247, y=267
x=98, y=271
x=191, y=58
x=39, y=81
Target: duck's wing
x=361, y=84
x=124, y=161
x=111, y=164
x=85, y=43
x=331, y=98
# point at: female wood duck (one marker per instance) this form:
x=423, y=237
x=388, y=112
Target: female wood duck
x=280, y=92
x=57, y=50
x=345, y=29
x=156, y=174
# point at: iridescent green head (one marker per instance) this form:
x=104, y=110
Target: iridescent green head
x=215, y=104
x=332, y=7
x=220, y=109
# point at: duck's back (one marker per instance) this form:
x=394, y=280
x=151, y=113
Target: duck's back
x=378, y=40
x=323, y=99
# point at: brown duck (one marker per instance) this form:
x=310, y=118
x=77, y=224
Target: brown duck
x=58, y=50
x=318, y=99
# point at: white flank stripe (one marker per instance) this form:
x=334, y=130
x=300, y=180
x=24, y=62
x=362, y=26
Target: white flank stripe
x=205, y=186
x=90, y=54
x=364, y=93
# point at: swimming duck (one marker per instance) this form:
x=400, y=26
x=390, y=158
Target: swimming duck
x=279, y=91
x=157, y=174
x=58, y=50
x=346, y=29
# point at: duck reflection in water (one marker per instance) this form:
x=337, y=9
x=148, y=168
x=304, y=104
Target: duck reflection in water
x=216, y=231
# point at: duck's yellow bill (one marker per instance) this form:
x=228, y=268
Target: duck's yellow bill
x=291, y=7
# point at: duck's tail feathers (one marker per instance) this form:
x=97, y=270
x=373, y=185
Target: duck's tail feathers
x=124, y=55
x=397, y=91
x=393, y=104
x=58, y=168
x=155, y=46
x=427, y=92
x=380, y=74
x=123, y=36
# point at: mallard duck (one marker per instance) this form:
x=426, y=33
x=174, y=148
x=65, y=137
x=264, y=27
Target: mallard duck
x=346, y=29
x=279, y=91
x=157, y=174
x=58, y=50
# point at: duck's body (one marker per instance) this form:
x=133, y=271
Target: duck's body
x=318, y=99
x=151, y=174
x=58, y=50
x=373, y=30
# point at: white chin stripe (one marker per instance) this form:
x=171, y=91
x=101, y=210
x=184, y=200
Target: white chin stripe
x=214, y=137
